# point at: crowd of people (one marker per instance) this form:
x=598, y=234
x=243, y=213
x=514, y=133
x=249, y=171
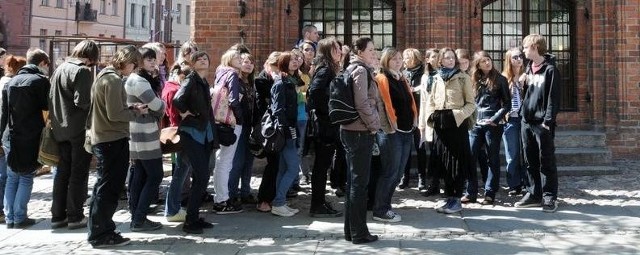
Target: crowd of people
x=453, y=107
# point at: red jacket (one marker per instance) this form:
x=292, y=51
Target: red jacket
x=172, y=117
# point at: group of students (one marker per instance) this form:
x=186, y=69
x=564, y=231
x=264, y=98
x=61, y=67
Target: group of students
x=457, y=108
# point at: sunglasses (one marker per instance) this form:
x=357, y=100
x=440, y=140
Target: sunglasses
x=517, y=57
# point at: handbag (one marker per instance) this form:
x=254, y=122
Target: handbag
x=170, y=140
x=48, y=154
x=273, y=134
x=222, y=113
x=225, y=134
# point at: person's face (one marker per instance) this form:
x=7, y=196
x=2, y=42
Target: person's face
x=448, y=59
x=516, y=58
x=464, y=64
x=247, y=65
x=530, y=50
x=308, y=52
x=299, y=60
x=313, y=35
x=293, y=64
x=485, y=64
x=336, y=53
x=433, y=59
x=395, y=63
x=161, y=56
x=236, y=61
x=409, y=61
x=202, y=64
x=369, y=55
x=149, y=64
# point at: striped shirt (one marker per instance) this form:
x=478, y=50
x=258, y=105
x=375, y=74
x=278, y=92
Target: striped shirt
x=144, y=129
x=516, y=100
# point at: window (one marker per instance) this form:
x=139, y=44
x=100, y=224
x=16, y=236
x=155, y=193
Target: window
x=506, y=22
x=59, y=3
x=44, y=2
x=43, y=43
x=179, y=16
x=56, y=45
x=349, y=19
x=187, y=15
x=144, y=17
x=114, y=7
x=103, y=6
x=132, y=19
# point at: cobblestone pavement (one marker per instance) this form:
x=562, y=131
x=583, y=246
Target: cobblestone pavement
x=600, y=209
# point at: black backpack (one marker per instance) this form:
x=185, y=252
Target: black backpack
x=342, y=108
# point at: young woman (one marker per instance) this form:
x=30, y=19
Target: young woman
x=449, y=103
x=284, y=108
x=193, y=101
x=492, y=102
x=414, y=69
x=513, y=69
x=464, y=58
x=326, y=134
x=396, y=137
x=144, y=144
x=357, y=138
x=426, y=83
x=228, y=75
x=243, y=159
x=264, y=82
x=303, y=79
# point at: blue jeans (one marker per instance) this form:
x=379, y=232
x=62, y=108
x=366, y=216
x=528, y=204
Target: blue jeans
x=511, y=140
x=357, y=146
x=143, y=187
x=395, y=150
x=289, y=167
x=488, y=137
x=174, y=194
x=3, y=180
x=111, y=169
x=17, y=195
x=200, y=173
x=241, y=166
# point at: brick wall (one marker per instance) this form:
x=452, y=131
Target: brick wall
x=606, y=40
x=14, y=16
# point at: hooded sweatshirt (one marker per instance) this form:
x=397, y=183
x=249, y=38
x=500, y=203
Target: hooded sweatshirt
x=542, y=97
x=228, y=76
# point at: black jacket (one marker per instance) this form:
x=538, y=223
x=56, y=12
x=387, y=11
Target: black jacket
x=285, y=102
x=318, y=102
x=263, y=83
x=414, y=76
x=542, y=96
x=493, y=104
x=27, y=95
x=193, y=96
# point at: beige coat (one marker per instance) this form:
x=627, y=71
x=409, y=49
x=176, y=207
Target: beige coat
x=457, y=94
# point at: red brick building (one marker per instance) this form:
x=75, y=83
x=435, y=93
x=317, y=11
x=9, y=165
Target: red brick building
x=14, y=20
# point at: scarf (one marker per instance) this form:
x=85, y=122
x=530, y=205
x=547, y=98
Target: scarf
x=447, y=73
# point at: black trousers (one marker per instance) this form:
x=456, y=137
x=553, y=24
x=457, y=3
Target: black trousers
x=267, y=190
x=338, y=174
x=111, y=168
x=321, y=163
x=70, y=182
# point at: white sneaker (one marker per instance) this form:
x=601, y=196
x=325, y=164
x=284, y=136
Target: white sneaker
x=281, y=211
x=178, y=217
x=293, y=210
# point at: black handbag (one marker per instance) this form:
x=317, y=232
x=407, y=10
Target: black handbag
x=225, y=134
x=273, y=134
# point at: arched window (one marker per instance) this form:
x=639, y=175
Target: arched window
x=349, y=19
x=506, y=22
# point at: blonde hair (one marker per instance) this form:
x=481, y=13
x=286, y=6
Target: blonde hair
x=124, y=56
x=414, y=54
x=387, y=54
x=538, y=41
x=227, y=57
x=507, y=70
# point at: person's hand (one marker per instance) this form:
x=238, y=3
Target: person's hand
x=523, y=78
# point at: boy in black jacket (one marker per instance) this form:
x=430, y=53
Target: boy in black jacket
x=538, y=111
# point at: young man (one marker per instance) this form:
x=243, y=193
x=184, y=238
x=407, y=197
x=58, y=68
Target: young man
x=69, y=101
x=309, y=34
x=538, y=111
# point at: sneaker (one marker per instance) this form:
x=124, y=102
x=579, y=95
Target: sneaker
x=468, y=199
x=28, y=222
x=249, y=199
x=263, y=207
x=441, y=208
x=488, y=200
x=281, y=211
x=178, y=217
x=549, y=205
x=324, y=211
x=389, y=216
x=193, y=227
x=454, y=206
x=78, y=224
x=113, y=240
x=515, y=192
x=528, y=201
x=227, y=207
x=431, y=191
x=59, y=224
x=404, y=183
x=204, y=224
x=422, y=184
x=293, y=210
x=146, y=225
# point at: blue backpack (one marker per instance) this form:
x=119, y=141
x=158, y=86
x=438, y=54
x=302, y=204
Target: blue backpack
x=342, y=108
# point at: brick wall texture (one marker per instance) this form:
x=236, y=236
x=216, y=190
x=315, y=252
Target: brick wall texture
x=606, y=41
